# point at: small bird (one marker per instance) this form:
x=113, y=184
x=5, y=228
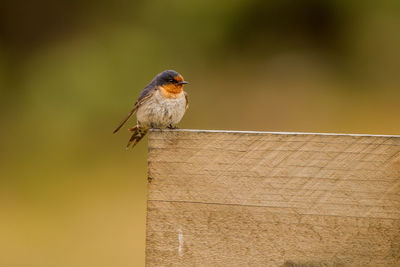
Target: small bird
x=161, y=104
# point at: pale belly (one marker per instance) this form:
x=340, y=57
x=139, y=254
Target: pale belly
x=160, y=112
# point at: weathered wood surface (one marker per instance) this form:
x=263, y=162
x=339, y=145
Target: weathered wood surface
x=272, y=199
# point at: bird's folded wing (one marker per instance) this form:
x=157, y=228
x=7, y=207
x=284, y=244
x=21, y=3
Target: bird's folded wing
x=134, y=109
x=187, y=100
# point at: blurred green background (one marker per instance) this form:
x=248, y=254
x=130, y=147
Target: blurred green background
x=70, y=195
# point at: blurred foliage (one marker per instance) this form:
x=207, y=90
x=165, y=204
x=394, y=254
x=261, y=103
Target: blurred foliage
x=70, y=70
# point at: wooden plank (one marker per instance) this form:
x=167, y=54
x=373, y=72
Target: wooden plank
x=220, y=198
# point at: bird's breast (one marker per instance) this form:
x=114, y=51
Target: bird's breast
x=159, y=111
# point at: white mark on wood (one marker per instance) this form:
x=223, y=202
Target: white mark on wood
x=180, y=239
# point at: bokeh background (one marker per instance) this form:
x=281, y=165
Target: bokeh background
x=70, y=195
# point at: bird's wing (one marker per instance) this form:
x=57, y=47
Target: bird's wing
x=143, y=98
x=187, y=99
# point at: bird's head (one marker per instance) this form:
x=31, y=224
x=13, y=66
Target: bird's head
x=170, y=82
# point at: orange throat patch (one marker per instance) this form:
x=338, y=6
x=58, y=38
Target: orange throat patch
x=171, y=90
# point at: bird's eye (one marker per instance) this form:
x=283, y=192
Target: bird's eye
x=171, y=80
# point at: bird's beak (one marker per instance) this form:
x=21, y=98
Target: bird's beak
x=183, y=82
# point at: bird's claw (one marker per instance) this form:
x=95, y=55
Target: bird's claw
x=172, y=127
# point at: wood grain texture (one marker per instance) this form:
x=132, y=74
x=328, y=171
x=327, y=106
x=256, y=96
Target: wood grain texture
x=272, y=199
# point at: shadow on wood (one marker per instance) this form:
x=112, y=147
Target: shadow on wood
x=220, y=198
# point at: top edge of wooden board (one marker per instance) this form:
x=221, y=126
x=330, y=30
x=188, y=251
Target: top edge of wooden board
x=274, y=133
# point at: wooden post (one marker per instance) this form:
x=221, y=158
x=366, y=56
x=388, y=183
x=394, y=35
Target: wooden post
x=222, y=198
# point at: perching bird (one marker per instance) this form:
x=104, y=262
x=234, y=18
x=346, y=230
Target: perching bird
x=161, y=104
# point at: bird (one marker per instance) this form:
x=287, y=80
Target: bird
x=161, y=104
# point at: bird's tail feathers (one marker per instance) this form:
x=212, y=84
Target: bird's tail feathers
x=138, y=134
